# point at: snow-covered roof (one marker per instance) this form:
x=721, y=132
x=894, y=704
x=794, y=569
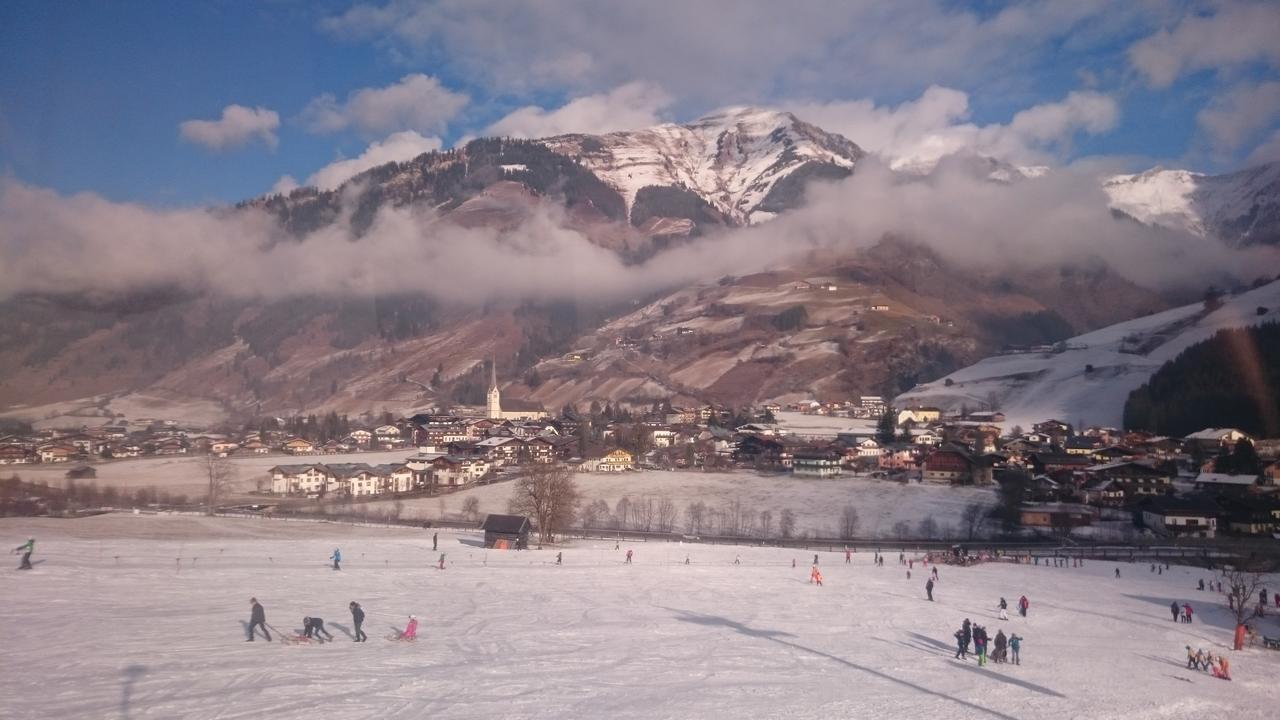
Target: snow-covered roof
x=1226, y=479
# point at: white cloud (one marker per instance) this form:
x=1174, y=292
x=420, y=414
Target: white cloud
x=397, y=147
x=634, y=105
x=285, y=185
x=1268, y=151
x=920, y=132
x=736, y=51
x=417, y=102
x=1236, y=33
x=1240, y=114
x=237, y=126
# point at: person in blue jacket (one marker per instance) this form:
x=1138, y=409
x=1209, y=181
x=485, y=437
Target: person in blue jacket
x=337, y=559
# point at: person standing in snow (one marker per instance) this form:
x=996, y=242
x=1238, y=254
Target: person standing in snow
x=441, y=562
x=628, y=561
x=980, y=644
x=560, y=558
x=1186, y=613
x=1201, y=584
x=314, y=627
x=1117, y=572
x=1015, y=645
x=928, y=588
x=815, y=558
x=962, y=645
x=1024, y=605
x=357, y=619
x=435, y=542
x=257, y=617
x=815, y=576
x=337, y=559
x=26, y=549
x=1173, y=610
x=935, y=572
x=848, y=556
x=967, y=629
x=1004, y=609
x=737, y=559
x=1002, y=643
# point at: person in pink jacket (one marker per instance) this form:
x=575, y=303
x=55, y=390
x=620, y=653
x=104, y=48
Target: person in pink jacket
x=410, y=630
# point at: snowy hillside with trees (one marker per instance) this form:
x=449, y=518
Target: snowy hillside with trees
x=145, y=617
x=1088, y=378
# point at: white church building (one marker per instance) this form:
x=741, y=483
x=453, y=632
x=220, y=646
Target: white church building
x=515, y=409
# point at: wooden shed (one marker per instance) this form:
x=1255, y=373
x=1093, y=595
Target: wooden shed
x=505, y=532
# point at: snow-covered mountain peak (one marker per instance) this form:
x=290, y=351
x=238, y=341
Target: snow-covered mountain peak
x=747, y=162
x=1239, y=208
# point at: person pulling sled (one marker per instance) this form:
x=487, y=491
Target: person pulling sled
x=26, y=549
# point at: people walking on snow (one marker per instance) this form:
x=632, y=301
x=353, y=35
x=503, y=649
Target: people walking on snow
x=928, y=588
x=357, y=619
x=1024, y=605
x=337, y=559
x=435, y=541
x=980, y=644
x=314, y=627
x=560, y=558
x=1186, y=613
x=441, y=566
x=1202, y=584
x=1193, y=662
x=628, y=557
x=1004, y=607
x=410, y=632
x=1015, y=646
x=257, y=618
x=1174, y=610
x=815, y=558
x=26, y=549
x=1117, y=572
x=935, y=572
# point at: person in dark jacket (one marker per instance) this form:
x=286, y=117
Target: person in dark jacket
x=314, y=627
x=29, y=547
x=357, y=619
x=1000, y=645
x=1174, y=610
x=928, y=588
x=257, y=617
x=967, y=629
x=962, y=644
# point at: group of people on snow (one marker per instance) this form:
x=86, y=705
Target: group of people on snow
x=1001, y=649
x=313, y=627
x=1208, y=662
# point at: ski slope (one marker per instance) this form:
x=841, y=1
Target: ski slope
x=111, y=624
x=1032, y=387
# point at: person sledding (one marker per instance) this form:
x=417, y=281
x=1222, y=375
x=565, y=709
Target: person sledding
x=26, y=549
x=1222, y=670
x=815, y=576
x=410, y=632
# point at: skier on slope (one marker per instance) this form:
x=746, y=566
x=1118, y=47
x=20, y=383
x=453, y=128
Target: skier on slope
x=257, y=617
x=314, y=627
x=357, y=619
x=336, y=558
x=26, y=549
x=928, y=588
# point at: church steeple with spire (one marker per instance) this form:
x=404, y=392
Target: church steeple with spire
x=494, y=404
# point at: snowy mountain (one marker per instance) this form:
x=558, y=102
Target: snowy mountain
x=1089, y=377
x=749, y=164
x=1240, y=208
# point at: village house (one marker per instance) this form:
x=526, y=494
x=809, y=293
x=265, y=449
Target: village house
x=56, y=453
x=1134, y=479
x=1226, y=483
x=816, y=462
x=506, y=532
x=1212, y=439
x=299, y=479
x=919, y=416
x=360, y=438
x=618, y=460
x=953, y=465
x=1057, y=515
x=500, y=451
x=869, y=448
x=454, y=470
x=223, y=448
x=387, y=435
x=299, y=446
x=15, y=455
x=254, y=447
x=1180, y=517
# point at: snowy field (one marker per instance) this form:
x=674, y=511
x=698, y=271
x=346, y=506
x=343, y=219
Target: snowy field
x=824, y=426
x=111, y=625
x=817, y=503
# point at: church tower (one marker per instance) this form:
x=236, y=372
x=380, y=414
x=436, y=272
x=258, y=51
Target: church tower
x=494, y=405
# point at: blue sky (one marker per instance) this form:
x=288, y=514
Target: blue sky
x=93, y=96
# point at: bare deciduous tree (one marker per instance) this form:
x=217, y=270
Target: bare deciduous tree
x=695, y=515
x=766, y=523
x=667, y=514
x=974, y=514
x=646, y=512
x=594, y=514
x=220, y=473
x=848, y=522
x=928, y=528
x=787, y=523
x=1243, y=585
x=471, y=508
x=901, y=530
x=622, y=513
x=549, y=494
